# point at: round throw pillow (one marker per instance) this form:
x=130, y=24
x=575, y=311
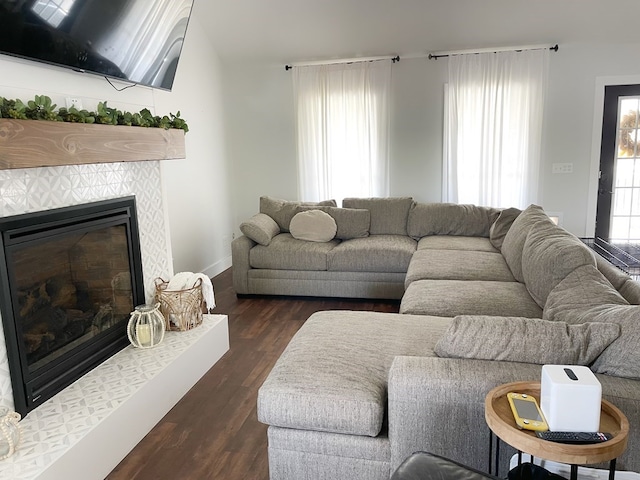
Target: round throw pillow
x=313, y=226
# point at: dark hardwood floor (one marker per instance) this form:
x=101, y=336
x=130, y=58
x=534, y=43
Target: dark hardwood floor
x=213, y=432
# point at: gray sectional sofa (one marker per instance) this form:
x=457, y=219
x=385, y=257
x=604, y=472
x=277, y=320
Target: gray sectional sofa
x=487, y=297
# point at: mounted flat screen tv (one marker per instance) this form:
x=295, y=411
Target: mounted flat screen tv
x=137, y=41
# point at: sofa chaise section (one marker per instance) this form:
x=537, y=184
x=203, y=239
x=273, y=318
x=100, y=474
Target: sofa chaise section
x=331, y=384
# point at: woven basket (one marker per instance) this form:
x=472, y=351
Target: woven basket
x=182, y=309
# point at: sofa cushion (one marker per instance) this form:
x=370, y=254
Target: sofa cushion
x=448, y=298
x=622, y=357
x=376, y=253
x=526, y=340
x=287, y=253
x=313, y=226
x=282, y=211
x=457, y=265
x=260, y=228
x=388, y=215
x=616, y=277
x=450, y=219
x=513, y=243
x=581, y=290
x=630, y=290
x=550, y=254
x=586, y=296
x=501, y=226
x=454, y=242
x=351, y=222
x=332, y=376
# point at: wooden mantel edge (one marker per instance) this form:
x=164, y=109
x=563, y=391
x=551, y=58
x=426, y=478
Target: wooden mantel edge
x=39, y=143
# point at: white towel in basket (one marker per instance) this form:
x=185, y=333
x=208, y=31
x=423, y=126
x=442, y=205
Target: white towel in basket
x=184, y=280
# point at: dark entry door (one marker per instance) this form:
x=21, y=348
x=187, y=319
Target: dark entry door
x=618, y=209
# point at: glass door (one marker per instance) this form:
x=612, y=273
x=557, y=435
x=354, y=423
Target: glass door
x=618, y=210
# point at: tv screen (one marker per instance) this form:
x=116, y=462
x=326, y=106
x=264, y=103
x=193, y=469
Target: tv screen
x=138, y=41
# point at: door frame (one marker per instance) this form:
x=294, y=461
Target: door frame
x=596, y=144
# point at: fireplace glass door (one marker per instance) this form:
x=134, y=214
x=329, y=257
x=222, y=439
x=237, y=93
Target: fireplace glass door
x=71, y=287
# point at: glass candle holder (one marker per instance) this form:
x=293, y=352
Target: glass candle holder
x=146, y=326
x=10, y=432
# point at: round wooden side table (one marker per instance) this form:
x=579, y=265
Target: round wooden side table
x=499, y=418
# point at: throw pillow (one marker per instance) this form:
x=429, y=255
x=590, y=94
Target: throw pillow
x=622, y=357
x=526, y=340
x=260, y=228
x=351, y=222
x=282, y=211
x=313, y=226
x=501, y=226
x=388, y=214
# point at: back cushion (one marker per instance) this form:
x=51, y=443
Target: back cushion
x=501, y=226
x=622, y=357
x=516, y=236
x=616, y=276
x=630, y=290
x=581, y=290
x=388, y=215
x=450, y=219
x=282, y=211
x=551, y=253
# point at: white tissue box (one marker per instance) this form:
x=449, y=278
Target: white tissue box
x=570, y=398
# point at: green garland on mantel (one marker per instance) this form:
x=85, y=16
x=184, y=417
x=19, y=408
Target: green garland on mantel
x=41, y=108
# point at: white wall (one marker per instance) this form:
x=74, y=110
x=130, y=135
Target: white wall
x=262, y=143
x=260, y=135
x=197, y=190
x=196, y=195
x=569, y=119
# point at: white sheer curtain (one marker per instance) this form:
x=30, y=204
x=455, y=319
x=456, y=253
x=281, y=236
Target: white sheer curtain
x=342, y=123
x=493, y=127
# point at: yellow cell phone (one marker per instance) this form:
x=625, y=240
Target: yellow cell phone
x=526, y=412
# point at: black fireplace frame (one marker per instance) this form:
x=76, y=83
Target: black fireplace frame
x=32, y=389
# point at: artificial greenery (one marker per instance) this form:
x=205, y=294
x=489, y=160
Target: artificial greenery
x=41, y=108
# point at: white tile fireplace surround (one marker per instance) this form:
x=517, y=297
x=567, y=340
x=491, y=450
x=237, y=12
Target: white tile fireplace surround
x=59, y=434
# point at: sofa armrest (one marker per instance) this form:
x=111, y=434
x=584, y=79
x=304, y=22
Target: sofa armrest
x=240, y=248
x=437, y=405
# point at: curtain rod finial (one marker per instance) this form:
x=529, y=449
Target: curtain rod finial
x=287, y=68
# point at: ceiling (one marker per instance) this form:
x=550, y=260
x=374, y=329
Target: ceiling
x=283, y=31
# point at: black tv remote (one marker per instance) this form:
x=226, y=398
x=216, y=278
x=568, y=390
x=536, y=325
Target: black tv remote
x=575, y=437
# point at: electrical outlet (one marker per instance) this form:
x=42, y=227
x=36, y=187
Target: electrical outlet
x=562, y=168
x=74, y=102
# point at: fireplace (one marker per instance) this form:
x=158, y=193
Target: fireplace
x=70, y=277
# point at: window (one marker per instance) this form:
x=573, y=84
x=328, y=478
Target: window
x=342, y=124
x=493, y=127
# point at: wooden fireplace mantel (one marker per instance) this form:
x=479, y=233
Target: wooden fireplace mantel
x=39, y=143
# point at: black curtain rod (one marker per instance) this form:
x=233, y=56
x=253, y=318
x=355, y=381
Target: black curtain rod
x=393, y=60
x=435, y=57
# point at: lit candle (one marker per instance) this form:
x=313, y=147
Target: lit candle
x=143, y=332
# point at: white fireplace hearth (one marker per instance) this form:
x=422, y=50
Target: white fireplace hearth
x=89, y=427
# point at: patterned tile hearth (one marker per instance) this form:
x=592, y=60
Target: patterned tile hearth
x=112, y=407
